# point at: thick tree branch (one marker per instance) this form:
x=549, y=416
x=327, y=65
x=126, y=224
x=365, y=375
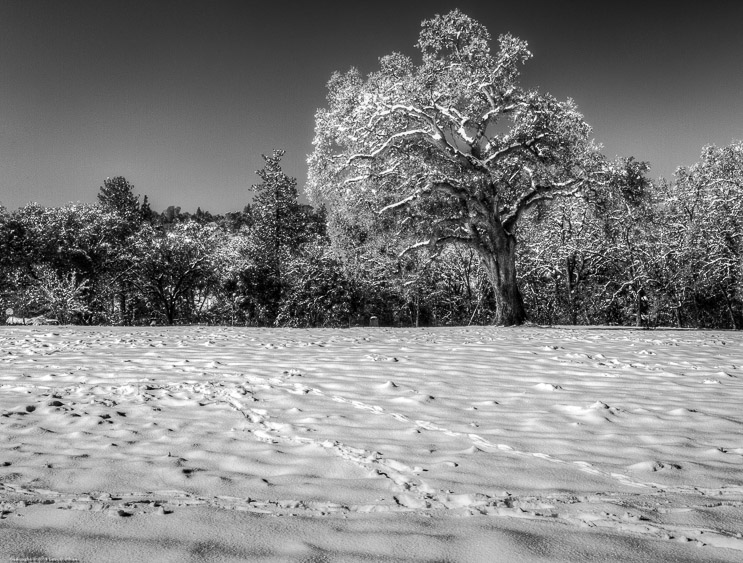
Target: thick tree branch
x=514, y=148
x=379, y=150
x=539, y=193
x=415, y=246
x=436, y=241
x=401, y=203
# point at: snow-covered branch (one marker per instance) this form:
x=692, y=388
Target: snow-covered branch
x=514, y=148
x=401, y=203
x=385, y=145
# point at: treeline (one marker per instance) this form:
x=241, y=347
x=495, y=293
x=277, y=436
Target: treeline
x=118, y=262
x=666, y=253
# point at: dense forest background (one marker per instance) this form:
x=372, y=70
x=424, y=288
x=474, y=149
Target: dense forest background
x=663, y=253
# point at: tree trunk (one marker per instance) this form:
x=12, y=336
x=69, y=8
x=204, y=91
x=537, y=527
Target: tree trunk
x=569, y=270
x=731, y=313
x=697, y=317
x=501, y=268
x=639, y=309
x=170, y=313
x=122, y=306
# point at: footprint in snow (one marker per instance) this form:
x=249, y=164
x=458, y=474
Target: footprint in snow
x=379, y=358
x=389, y=386
x=652, y=466
x=547, y=387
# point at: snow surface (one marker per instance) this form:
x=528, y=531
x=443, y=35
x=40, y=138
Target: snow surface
x=464, y=444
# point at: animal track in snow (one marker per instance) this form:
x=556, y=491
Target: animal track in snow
x=480, y=442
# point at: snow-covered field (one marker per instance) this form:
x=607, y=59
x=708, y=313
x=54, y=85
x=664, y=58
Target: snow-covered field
x=469, y=444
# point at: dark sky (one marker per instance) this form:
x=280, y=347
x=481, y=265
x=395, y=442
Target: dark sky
x=182, y=97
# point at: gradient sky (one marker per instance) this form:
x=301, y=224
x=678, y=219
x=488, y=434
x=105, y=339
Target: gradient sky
x=182, y=97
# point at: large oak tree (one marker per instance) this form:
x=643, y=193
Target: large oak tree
x=452, y=150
